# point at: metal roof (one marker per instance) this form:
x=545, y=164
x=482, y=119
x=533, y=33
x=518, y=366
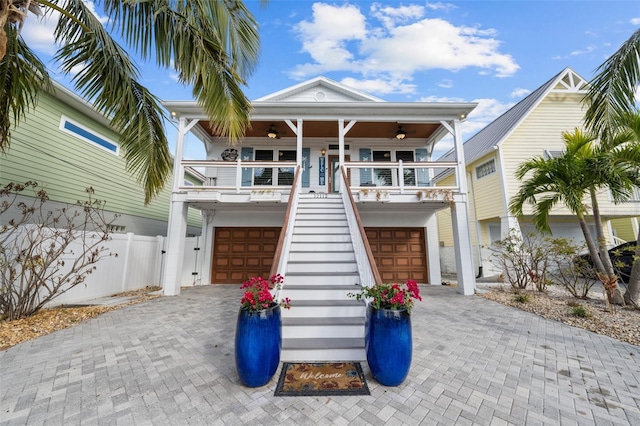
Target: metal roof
x=497, y=131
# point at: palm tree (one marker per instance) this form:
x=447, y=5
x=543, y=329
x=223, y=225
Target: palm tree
x=212, y=45
x=610, y=99
x=583, y=169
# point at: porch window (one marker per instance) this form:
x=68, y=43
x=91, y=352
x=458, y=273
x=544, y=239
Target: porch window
x=409, y=174
x=263, y=176
x=285, y=174
x=382, y=176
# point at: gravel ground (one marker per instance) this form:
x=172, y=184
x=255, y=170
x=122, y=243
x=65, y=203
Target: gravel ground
x=47, y=321
x=557, y=304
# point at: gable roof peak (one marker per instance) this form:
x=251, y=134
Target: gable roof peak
x=318, y=89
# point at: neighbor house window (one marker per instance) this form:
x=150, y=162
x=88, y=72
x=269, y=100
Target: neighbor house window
x=485, y=169
x=81, y=132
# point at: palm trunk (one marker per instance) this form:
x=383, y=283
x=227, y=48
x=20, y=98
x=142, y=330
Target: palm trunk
x=607, y=275
x=633, y=288
x=591, y=245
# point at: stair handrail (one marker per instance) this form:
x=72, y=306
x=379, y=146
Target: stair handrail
x=286, y=233
x=367, y=268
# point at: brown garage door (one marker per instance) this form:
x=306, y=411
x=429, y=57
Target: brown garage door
x=400, y=253
x=241, y=253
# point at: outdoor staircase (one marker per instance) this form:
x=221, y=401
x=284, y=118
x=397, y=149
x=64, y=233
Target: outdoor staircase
x=323, y=324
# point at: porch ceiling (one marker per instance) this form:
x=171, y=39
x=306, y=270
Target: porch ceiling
x=373, y=119
x=329, y=129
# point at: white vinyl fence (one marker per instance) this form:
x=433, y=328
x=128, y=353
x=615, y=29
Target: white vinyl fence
x=139, y=264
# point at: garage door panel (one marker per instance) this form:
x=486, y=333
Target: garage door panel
x=241, y=253
x=400, y=253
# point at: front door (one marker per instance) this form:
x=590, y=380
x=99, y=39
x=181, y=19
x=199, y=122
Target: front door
x=334, y=172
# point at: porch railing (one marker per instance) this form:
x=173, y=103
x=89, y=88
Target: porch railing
x=367, y=267
x=396, y=177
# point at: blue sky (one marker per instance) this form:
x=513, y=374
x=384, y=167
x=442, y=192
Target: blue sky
x=490, y=52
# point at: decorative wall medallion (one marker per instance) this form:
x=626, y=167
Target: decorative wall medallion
x=230, y=154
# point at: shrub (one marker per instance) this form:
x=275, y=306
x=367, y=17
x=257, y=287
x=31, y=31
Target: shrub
x=569, y=270
x=43, y=253
x=523, y=259
x=579, y=311
x=521, y=298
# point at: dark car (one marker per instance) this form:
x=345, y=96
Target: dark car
x=621, y=258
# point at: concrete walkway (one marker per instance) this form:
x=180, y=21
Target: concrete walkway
x=169, y=361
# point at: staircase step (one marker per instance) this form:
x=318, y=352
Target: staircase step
x=323, y=230
x=322, y=266
x=322, y=328
x=328, y=343
x=321, y=256
x=319, y=291
x=320, y=238
x=325, y=308
x=326, y=223
x=310, y=210
x=305, y=247
x=325, y=277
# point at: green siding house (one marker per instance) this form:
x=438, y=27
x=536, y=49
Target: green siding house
x=66, y=146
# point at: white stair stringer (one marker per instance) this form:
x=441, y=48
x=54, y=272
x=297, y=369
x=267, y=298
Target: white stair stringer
x=324, y=323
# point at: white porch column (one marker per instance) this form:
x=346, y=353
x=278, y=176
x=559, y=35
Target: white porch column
x=176, y=237
x=177, y=224
x=465, y=270
x=433, y=250
x=206, y=246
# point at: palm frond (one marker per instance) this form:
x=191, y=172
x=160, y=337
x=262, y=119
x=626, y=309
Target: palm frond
x=212, y=45
x=612, y=91
x=22, y=77
x=108, y=77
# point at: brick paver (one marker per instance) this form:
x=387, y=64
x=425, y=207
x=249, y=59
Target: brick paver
x=169, y=361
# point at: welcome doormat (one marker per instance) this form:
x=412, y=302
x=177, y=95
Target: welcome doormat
x=321, y=378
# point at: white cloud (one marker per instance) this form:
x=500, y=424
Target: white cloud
x=484, y=113
x=38, y=32
x=441, y=6
x=379, y=86
x=342, y=38
x=635, y=21
x=520, y=93
x=446, y=83
x=588, y=49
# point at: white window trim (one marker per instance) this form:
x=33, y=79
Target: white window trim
x=64, y=119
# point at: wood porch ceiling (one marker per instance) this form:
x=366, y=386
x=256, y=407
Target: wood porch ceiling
x=329, y=129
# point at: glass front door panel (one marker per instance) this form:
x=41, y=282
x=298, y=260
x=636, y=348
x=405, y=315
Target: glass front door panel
x=262, y=175
x=285, y=174
x=382, y=177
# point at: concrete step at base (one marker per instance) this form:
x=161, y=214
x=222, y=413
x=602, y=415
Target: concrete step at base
x=329, y=349
x=321, y=266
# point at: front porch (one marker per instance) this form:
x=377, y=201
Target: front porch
x=376, y=156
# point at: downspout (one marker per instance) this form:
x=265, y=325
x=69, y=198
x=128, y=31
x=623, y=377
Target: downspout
x=477, y=223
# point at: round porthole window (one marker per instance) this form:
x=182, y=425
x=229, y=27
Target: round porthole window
x=319, y=96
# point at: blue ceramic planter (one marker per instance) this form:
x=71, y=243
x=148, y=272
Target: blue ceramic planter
x=258, y=342
x=388, y=344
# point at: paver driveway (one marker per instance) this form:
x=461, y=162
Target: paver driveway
x=169, y=361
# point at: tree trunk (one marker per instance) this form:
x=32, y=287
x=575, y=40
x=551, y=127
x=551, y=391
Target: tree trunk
x=633, y=288
x=607, y=276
